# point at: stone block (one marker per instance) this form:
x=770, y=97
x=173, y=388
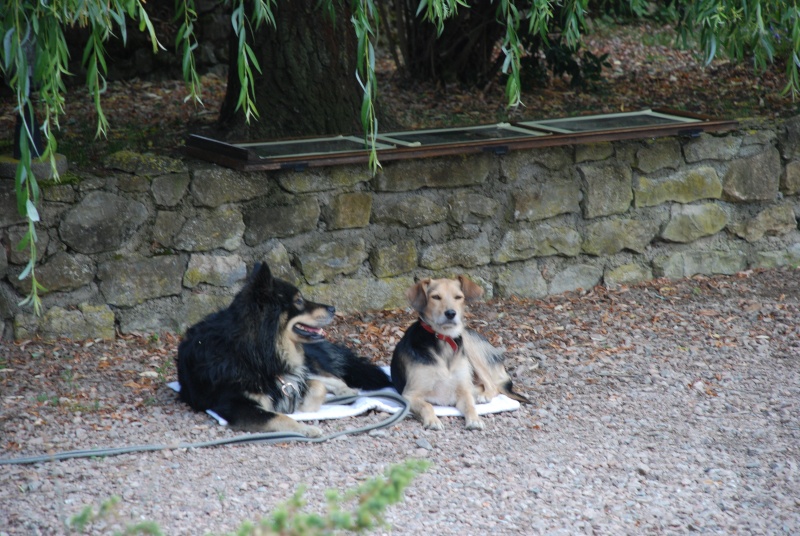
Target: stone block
x=627, y=274
x=216, y=270
x=42, y=168
x=3, y=260
x=530, y=166
x=577, y=276
x=9, y=215
x=89, y=183
x=332, y=258
x=466, y=253
x=135, y=184
x=790, y=180
x=21, y=256
x=62, y=272
x=689, y=263
x=101, y=222
x=469, y=207
x=350, y=211
x=612, y=235
x=539, y=201
x=280, y=264
x=198, y=305
x=683, y=187
x=209, y=229
x=591, y=152
x=759, y=137
x=664, y=153
x=215, y=186
x=772, y=221
x=451, y=172
x=393, y=260
x=753, y=179
x=687, y=223
x=130, y=282
x=355, y=295
x=607, y=188
x=710, y=147
x=323, y=179
x=59, y=193
x=168, y=190
x=778, y=258
x=264, y=221
x=85, y=322
x=540, y=240
x=409, y=211
x=520, y=279
x=167, y=225
x=789, y=138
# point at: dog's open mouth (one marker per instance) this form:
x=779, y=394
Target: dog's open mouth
x=309, y=332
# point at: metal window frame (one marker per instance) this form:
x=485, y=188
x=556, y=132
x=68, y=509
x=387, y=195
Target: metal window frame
x=547, y=124
x=241, y=156
x=309, y=141
x=514, y=131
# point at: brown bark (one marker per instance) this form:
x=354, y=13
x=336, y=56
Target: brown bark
x=464, y=52
x=307, y=85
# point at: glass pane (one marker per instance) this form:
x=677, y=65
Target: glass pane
x=459, y=135
x=609, y=122
x=308, y=147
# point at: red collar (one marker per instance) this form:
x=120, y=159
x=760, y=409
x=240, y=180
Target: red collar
x=449, y=340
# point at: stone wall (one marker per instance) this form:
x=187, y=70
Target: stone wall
x=155, y=244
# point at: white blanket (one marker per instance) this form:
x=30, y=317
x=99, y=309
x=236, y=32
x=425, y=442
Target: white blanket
x=367, y=403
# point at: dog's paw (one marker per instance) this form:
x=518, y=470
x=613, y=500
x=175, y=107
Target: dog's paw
x=433, y=424
x=311, y=431
x=476, y=424
x=484, y=395
x=346, y=391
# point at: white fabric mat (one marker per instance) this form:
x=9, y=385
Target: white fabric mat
x=375, y=402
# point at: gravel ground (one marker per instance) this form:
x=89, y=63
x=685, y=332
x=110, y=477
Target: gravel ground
x=666, y=408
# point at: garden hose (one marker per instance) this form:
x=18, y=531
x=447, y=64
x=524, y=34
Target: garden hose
x=266, y=437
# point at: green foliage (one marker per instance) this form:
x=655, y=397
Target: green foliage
x=371, y=500
x=764, y=29
x=365, y=21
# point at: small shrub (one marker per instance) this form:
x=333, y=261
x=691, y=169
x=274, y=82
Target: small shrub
x=289, y=519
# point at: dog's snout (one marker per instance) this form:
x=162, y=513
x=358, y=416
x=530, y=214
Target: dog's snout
x=450, y=314
x=331, y=309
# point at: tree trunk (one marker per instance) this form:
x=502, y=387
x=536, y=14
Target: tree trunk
x=465, y=52
x=307, y=85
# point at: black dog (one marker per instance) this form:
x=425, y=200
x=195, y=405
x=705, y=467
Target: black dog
x=265, y=356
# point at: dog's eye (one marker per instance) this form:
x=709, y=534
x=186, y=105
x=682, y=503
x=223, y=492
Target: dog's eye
x=459, y=297
x=436, y=297
x=299, y=302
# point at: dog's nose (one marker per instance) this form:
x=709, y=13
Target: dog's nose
x=331, y=309
x=450, y=314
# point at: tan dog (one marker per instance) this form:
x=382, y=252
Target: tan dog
x=439, y=361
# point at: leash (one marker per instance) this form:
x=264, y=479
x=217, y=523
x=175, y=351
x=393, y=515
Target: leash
x=266, y=437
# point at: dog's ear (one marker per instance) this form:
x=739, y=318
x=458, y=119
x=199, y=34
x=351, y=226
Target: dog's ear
x=471, y=290
x=262, y=279
x=418, y=295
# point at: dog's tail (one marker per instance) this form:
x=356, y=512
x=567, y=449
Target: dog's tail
x=508, y=390
x=356, y=371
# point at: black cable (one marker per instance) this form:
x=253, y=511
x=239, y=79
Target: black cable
x=267, y=437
